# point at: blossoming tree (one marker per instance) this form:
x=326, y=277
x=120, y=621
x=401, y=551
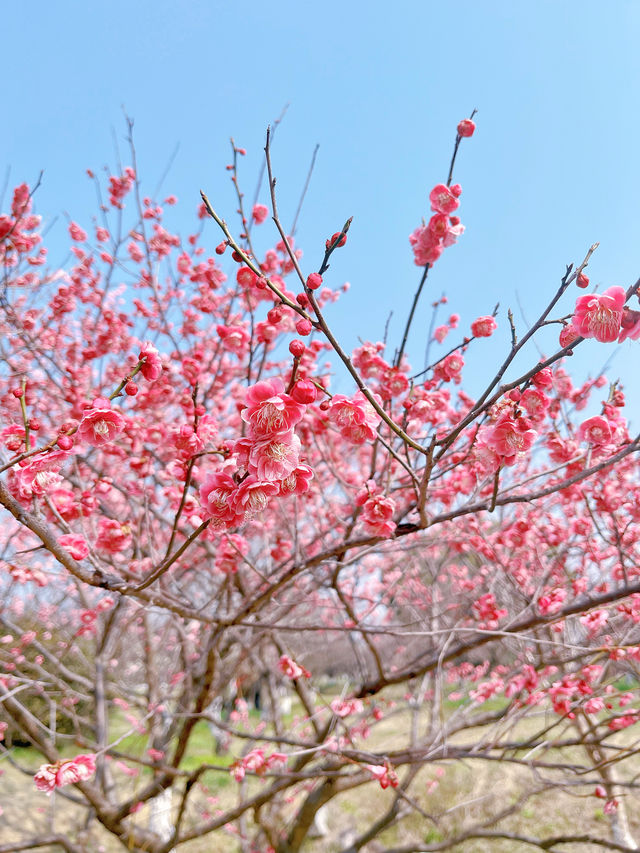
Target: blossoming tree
x=189, y=511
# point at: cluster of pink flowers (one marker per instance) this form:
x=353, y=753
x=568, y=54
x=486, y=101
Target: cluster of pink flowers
x=385, y=774
x=267, y=460
x=19, y=236
x=346, y=707
x=429, y=241
x=509, y=436
x=449, y=369
x=120, y=186
x=487, y=612
x=259, y=763
x=291, y=669
x=52, y=776
x=377, y=510
x=355, y=418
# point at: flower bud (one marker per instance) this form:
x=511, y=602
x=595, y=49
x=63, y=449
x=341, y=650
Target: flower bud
x=297, y=348
x=314, y=281
x=466, y=127
x=303, y=327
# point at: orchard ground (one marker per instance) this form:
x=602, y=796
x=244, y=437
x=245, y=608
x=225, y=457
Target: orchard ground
x=450, y=792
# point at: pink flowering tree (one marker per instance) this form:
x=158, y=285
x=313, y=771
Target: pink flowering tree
x=444, y=588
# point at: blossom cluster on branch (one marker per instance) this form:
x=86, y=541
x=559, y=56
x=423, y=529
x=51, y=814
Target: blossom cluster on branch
x=198, y=527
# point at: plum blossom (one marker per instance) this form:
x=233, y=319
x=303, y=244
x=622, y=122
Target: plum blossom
x=442, y=199
x=630, y=325
x=510, y=436
x=257, y=762
x=234, y=338
x=216, y=494
x=252, y=496
x=269, y=410
x=346, y=707
x=595, y=430
x=291, y=669
x=377, y=510
x=483, y=327
x=113, y=536
x=274, y=458
x=385, y=774
x=297, y=482
x=75, y=544
x=599, y=316
x=100, y=425
x=52, y=776
x=449, y=369
x=259, y=213
x=151, y=367
x=355, y=418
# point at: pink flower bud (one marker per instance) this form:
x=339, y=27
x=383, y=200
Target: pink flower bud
x=333, y=239
x=314, y=281
x=466, y=127
x=303, y=327
x=582, y=280
x=297, y=348
x=304, y=391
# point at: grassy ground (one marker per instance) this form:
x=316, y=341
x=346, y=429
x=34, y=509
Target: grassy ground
x=451, y=794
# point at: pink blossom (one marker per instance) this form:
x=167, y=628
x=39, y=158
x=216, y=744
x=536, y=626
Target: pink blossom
x=427, y=247
x=487, y=612
x=297, y=482
x=269, y=410
x=151, y=368
x=466, y=127
x=449, y=368
x=259, y=213
x=274, y=458
x=630, y=325
x=441, y=333
x=52, y=776
x=384, y=773
x=483, y=327
x=216, y=496
x=594, y=620
x=75, y=544
x=510, y=436
x=234, y=338
x=356, y=418
x=256, y=762
x=252, y=496
x=568, y=335
x=442, y=199
x=77, y=233
x=595, y=430
x=377, y=510
x=599, y=316
x=113, y=536
x=291, y=669
x=100, y=425
x=346, y=707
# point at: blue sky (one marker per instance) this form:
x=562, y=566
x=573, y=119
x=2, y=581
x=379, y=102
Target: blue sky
x=553, y=166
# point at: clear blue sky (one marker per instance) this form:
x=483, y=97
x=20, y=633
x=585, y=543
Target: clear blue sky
x=552, y=168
